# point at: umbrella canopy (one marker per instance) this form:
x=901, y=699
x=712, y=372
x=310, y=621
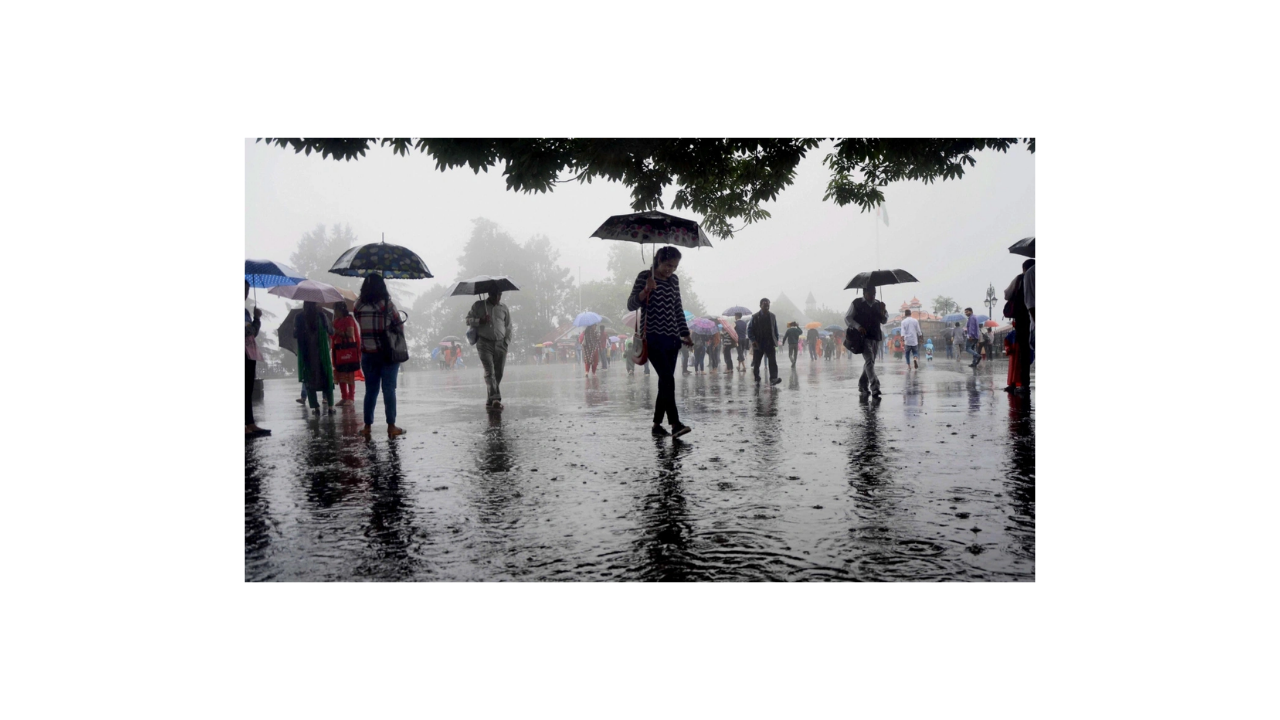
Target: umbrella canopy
x=737, y=309
x=729, y=328
x=876, y=278
x=588, y=318
x=824, y=333
x=309, y=291
x=954, y=317
x=813, y=325
x=1025, y=246
x=450, y=338
x=389, y=261
x=991, y=323
x=269, y=273
x=631, y=319
x=613, y=338
x=284, y=333
x=703, y=326
x=653, y=227
x=834, y=328
x=688, y=316
x=483, y=285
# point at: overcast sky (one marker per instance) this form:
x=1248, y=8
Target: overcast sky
x=951, y=235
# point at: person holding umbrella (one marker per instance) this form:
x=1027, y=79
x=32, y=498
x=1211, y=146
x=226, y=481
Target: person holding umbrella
x=811, y=341
x=658, y=292
x=740, y=327
x=492, y=321
x=865, y=316
x=315, y=369
x=377, y=317
x=251, y=357
x=1016, y=308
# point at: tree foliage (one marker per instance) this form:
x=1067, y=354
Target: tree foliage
x=725, y=180
x=943, y=305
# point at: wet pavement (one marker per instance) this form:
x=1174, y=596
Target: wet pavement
x=802, y=481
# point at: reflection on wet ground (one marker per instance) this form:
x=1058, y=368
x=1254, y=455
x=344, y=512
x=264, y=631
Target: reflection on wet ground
x=804, y=481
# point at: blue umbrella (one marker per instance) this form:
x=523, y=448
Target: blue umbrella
x=587, y=318
x=269, y=273
x=824, y=333
x=736, y=309
x=954, y=317
x=687, y=316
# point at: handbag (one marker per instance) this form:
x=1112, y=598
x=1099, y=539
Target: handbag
x=346, y=357
x=394, y=348
x=639, y=352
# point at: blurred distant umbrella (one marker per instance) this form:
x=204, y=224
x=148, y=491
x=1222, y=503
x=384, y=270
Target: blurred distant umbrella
x=877, y=278
x=389, y=261
x=483, y=285
x=1025, y=246
x=834, y=328
x=587, y=318
x=813, y=326
x=737, y=309
x=269, y=273
x=653, y=227
x=703, y=326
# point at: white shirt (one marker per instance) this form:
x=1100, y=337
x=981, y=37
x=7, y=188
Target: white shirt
x=911, y=331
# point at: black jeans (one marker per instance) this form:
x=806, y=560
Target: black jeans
x=1023, y=341
x=760, y=352
x=664, y=350
x=250, y=369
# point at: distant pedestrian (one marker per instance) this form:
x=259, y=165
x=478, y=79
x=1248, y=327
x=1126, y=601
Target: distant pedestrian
x=315, y=366
x=911, y=339
x=971, y=337
x=792, y=338
x=928, y=349
x=864, y=318
x=951, y=341
x=684, y=360
x=957, y=339
x=590, y=339
x=764, y=342
x=727, y=346
x=378, y=317
x=658, y=292
x=713, y=351
x=987, y=351
x=740, y=327
x=811, y=340
x=251, y=357
x=346, y=353
x=699, y=354
x=492, y=321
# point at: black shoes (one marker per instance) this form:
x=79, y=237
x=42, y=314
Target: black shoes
x=659, y=431
x=682, y=430
x=775, y=381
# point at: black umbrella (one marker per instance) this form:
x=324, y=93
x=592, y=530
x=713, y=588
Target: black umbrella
x=389, y=261
x=284, y=333
x=1025, y=246
x=877, y=278
x=834, y=328
x=653, y=227
x=483, y=285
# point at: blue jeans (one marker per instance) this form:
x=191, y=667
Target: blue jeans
x=377, y=375
x=912, y=350
x=971, y=347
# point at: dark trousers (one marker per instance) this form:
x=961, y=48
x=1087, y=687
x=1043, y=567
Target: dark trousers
x=1023, y=341
x=250, y=369
x=793, y=351
x=728, y=357
x=663, y=352
x=760, y=352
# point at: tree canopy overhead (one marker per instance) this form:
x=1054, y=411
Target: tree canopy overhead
x=724, y=180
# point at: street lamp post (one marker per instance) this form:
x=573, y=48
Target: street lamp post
x=990, y=302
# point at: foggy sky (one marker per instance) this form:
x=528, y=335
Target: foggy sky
x=951, y=235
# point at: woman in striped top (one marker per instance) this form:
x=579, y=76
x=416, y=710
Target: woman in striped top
x=658, y=292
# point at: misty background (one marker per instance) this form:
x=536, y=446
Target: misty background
x=305, y=210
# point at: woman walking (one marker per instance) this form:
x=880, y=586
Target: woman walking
x=713, y=351
x=658, y=292
x=251, y=357
x=346, y=353
x=699, y=353
x=591, y=348
x=315, y=369
x=377, y=316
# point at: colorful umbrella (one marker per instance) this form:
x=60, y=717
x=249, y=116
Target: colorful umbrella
x=703, y=326
x=588, y=318
x=389, y=261
x=728, y=327
x=687, y=316
x=653, y=227
x=308, y=291
x=269, y=273
x=737, y=309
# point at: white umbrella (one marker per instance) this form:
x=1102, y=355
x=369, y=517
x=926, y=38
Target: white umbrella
x=308, y=291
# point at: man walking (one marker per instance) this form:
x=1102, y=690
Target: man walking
x=492, y=321
x=811, y=341
x=911, y=336
x=971, y=337
x=865, y=316
x=764, y=342
x=793, y=341
x=957, y=337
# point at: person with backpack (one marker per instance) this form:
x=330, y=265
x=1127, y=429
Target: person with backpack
x=378, y=319
x=864, y=318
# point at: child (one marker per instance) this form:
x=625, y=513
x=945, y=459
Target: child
x=928, y=350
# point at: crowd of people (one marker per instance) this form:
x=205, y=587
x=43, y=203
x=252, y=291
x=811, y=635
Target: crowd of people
x=361, y=344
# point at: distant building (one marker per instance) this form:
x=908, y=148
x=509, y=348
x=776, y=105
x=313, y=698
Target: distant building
x=810, y=304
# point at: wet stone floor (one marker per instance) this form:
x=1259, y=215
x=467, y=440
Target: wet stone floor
x=935, y=481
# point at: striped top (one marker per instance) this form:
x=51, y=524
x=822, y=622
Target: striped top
x=663, y=314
